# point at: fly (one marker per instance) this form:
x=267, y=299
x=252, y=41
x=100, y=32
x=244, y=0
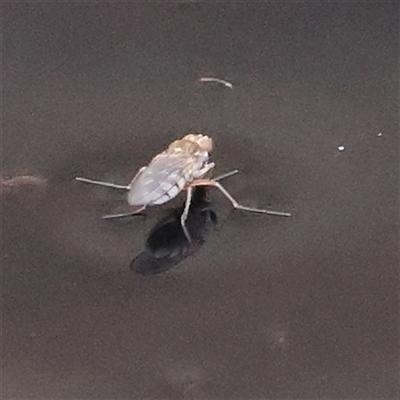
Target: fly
x=182, y=166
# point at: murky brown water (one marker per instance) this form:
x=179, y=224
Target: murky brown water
x=305, y=307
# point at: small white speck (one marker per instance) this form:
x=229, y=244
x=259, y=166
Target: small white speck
x=341, y=148
x=379, y=134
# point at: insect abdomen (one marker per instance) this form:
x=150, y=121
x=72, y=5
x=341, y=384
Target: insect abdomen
x=160, y=182
x=171, y=192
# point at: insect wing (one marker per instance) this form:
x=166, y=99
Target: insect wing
x=160, y=182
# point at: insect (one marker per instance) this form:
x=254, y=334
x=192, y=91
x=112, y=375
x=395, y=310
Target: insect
x=182, y=166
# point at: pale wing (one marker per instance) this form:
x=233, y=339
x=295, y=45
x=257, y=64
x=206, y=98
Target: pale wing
x=158, y=183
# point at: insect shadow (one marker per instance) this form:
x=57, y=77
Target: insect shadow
x=167, y=244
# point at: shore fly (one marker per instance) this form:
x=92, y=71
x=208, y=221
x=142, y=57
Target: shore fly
x=182, y=166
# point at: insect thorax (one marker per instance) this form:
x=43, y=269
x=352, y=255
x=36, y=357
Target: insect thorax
x=183, y=147
x=191, y=145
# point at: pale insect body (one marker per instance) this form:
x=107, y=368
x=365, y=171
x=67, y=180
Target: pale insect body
x=182, y=165
x=170, y=171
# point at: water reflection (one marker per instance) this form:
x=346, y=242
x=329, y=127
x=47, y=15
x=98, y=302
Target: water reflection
x=167, y=244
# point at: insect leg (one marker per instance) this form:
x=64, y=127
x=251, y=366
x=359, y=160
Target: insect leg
x=107, y=184
x=136, y=211
x=186, y=212
x=204, y=170
x=226, y=175
x=212, y=182
x=244, y=208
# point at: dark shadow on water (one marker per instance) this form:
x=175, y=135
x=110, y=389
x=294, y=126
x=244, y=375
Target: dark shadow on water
x=167, y=245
